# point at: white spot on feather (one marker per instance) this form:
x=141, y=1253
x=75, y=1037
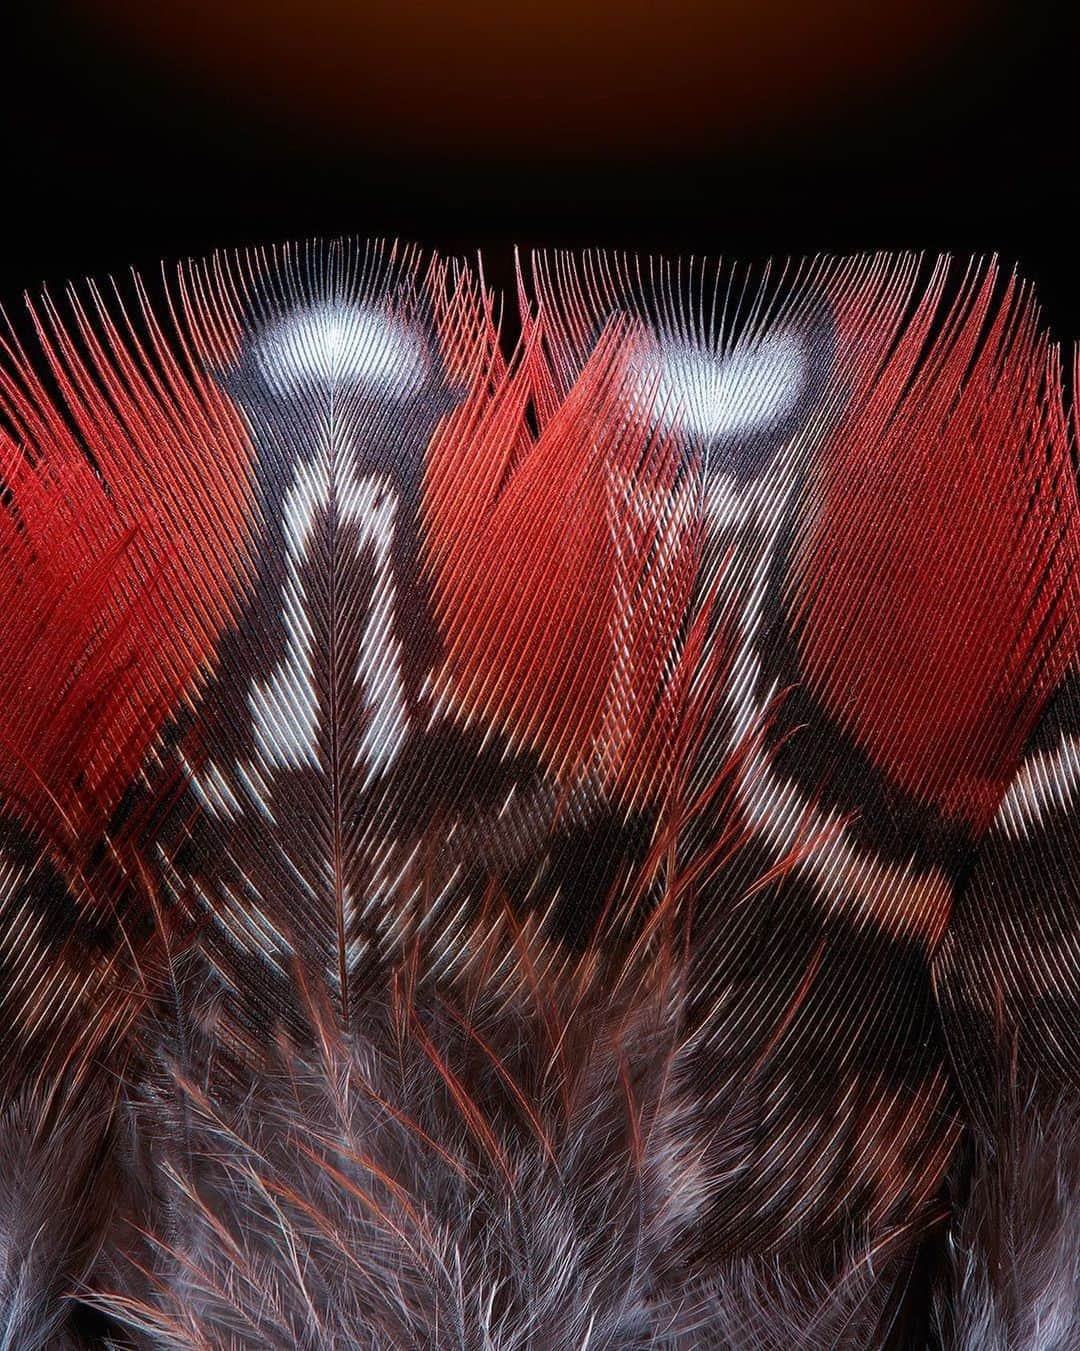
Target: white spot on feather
x=379, y=667
x=342, y=343
x=709, y=395
x=285, y=709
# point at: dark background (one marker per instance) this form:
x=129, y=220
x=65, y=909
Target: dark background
x=113, y=156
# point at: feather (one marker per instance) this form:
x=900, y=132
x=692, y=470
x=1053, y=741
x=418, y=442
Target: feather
x=123, y=542
x=392, y=638
x=1006, y=980
x=1012, y=1275
x=544, y=847
x=1006, y=973
x=58, y=1191
x=124, y=503
x=503, y=1173
x=816, y=926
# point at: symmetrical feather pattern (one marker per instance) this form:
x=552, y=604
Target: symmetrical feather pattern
x=562, y=845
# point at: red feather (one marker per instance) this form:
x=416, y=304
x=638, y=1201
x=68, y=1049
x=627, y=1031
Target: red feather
x=123, y=534
x=931, y=599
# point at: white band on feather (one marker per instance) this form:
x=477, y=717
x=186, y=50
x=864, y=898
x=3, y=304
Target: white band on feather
x=1046, y=781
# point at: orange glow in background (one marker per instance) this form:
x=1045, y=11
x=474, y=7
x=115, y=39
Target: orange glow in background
x=555, y=78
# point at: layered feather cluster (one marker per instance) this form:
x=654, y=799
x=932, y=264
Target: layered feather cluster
x=569, y=846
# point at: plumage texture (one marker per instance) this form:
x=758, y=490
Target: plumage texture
x=562, y=847
x=58, y=1190
x=1013, y=1254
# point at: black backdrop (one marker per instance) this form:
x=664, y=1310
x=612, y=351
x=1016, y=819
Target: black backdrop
x=110, y=160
